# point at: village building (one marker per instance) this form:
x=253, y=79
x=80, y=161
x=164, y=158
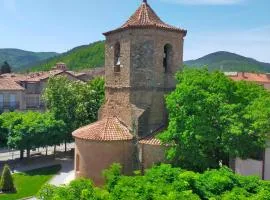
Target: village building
x=141, y=58
x=24, y=91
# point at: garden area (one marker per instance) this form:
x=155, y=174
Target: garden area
x=27, y=184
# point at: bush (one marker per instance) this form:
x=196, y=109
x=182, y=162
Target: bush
x=6, y=183
x=81, y=189
x=112, y=175
x=165, y=182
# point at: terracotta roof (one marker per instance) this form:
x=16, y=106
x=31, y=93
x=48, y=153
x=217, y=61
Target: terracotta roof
x=108, y=129
x=255, y=77
x=152, y=140
x=145, y=17
x=7, y=83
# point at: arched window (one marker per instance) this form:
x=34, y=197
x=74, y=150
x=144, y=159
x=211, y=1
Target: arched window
x=167, y=59
x=117, y=57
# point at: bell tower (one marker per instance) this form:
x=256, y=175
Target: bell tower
x=141, y=58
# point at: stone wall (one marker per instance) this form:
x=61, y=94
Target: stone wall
x=141, y=84
x=151, y=155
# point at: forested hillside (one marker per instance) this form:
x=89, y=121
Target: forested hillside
x=19, y=59
x=227, y=61
x=82, y=57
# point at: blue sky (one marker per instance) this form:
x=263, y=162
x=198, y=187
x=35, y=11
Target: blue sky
x=239, y=26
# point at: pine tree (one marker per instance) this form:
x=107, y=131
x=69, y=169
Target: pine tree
x=6, y=183
x=5, y=68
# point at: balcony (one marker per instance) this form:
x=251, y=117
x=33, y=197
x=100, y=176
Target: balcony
x=14, y=105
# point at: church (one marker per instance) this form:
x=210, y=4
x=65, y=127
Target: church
x=141, y=59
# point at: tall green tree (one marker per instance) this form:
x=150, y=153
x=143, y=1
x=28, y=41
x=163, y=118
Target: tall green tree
x=212, y=118
x=76, y=103
x=5, y=68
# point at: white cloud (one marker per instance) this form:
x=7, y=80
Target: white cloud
x=204, y=2
x=254, y=43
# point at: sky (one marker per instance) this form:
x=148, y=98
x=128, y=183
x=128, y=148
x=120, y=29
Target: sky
x=238, y=26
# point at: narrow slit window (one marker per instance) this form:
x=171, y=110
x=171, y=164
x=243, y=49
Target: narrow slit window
x=117, y=57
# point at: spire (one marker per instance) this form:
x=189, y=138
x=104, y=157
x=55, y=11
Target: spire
x=145, y=17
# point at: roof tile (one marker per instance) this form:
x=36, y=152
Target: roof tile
x=145, y=17
x=108, y=129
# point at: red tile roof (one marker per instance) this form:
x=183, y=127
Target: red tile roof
x=108, y=129
x=151, y=140
x=246, y=76
x=36, y=77
x=145, y=17
x=7, y=83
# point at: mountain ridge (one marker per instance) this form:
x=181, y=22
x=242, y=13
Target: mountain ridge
x=92, y=56
x=227, y=61
x=19, y=58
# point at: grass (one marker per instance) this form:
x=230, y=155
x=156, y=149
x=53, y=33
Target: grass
x=28, y=183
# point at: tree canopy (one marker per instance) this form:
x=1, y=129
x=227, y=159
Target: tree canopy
x=212, y=118
x=76, y=103
x=5, y=68
x=164, y=183
x=29, y=130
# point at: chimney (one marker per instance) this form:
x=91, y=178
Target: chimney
x=61, y=66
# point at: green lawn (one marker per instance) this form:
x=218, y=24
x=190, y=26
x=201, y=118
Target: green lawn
x=29, y=183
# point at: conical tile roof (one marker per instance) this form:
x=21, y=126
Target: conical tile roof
x=108, y=129
x=145, y=17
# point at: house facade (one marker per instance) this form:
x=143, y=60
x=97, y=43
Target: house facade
x=141, y=58
x=11, y=95
x=24, y=92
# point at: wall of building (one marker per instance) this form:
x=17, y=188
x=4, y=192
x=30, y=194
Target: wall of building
x=150, y=155
x=249, y=167
x=92, y=157
x=267, y=162
x=18, y=103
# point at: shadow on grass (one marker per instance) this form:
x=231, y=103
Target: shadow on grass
x=51, y=170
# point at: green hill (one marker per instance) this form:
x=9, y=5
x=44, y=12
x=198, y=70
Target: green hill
x=82, y=57
x=92, y=55
x=227, y=61
x=19, y=59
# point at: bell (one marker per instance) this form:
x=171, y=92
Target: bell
x=118, y=61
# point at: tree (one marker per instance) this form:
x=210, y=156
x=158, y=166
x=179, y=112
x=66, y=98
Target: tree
x=3, y=134
x=5, y=68
x=212, y=118
x=32, y=130
x=6, y=184
x=76, y=103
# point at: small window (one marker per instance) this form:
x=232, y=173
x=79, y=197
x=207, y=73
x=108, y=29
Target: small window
x=167, y=59
x=117, y=57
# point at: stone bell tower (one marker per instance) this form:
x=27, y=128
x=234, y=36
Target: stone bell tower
x=142, y=57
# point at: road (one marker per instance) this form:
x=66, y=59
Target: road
x=8, y=155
